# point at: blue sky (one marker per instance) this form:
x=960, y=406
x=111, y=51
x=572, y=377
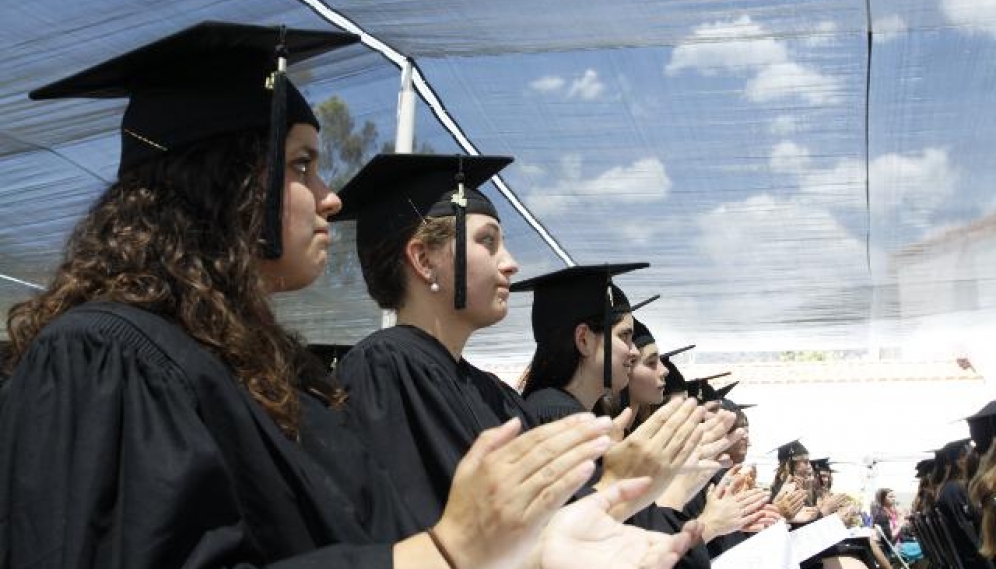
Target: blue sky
x=725, y=144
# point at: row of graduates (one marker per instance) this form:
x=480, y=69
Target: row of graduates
x=954, y=512
x=156, y=414
x=802, y=488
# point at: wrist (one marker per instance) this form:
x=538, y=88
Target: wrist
x=449, y=544
x=708, y=530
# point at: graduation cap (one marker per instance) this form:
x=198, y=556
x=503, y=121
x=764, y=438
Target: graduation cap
x=731, y=406
x=641, y=335
x=950, y=452
x=393, y=192
x=982, y=426
x=207, y=80
x=821, y=465
x=565, y=298
x=704, y=392
x=674, y=382
x=924, y=467
x=791, y=450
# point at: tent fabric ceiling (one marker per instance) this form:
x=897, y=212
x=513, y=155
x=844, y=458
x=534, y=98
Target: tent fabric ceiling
x=789, y=187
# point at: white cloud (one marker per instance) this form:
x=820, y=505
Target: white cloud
x=587, y=87
x=784, y=125
x=783, y=80
x=888, y=28
x=727, y=46
x=743, y=46
x=789, y=157
x=918, y=183
x=644, y=180
x=823, y=34
x=977, y=16
x=840, y=187
x=763, y=237
x=547, y=84
x=530, y=170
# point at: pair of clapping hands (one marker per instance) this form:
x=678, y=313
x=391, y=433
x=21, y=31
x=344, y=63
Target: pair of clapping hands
x=506, y=504
x=791, y=499
x=733, y=504
x=505, y=509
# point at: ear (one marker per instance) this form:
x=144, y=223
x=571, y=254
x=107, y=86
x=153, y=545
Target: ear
x=418, y=260
x=584, y=340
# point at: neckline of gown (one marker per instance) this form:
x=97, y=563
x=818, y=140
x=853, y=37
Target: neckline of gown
x=437, y=345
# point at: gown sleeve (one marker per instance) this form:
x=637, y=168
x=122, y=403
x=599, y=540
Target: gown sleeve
x=105, y=462
x=407, y=425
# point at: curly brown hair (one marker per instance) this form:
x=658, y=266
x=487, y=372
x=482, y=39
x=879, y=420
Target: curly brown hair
x=179, y=236
x=383, y=265
x=982, y=490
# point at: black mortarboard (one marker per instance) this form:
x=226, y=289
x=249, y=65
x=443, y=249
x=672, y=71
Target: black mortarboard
x=791, y=450
x=702, y=390
x=950, y=452
x=982, y=426
x=393, y=192
x=675, y=381
x=565, y=298
x=210, y=79
x=821, y=465
x=924, y=467
x=732, y=406
x=641, y=334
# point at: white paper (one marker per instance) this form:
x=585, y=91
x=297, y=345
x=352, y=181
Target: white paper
x=768, y=549
x=861, y=531
x=813, y=538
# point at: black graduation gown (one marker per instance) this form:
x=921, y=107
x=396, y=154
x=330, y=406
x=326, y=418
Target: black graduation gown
x=550, y=404
x=378, y=506
x=959, y=516
x=124, y=444
x=419, y=411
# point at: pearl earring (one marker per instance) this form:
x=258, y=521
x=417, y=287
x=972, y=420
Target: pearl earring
x=434, y=287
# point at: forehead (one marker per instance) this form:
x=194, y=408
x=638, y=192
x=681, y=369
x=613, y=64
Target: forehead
x=479, y=220
x=302, y=136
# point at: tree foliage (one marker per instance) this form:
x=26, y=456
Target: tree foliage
x=345, y=148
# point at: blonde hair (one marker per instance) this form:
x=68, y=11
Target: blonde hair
x=383, y=265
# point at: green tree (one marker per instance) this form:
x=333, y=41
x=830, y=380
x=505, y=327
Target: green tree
x=345, y=148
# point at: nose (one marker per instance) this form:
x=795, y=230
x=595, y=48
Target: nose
x=328, y=203
x=508, y=265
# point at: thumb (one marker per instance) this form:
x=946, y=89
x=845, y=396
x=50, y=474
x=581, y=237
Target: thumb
x=619, y=492
x=492, y=439
x=623, y=420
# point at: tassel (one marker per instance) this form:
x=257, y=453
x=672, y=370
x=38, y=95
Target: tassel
x=608, y=402
x=277, y=82
x=460, y=262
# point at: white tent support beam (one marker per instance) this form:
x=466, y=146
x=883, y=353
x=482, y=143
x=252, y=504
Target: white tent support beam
x=404, y=140
x=427, y=94
x=20, y=282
